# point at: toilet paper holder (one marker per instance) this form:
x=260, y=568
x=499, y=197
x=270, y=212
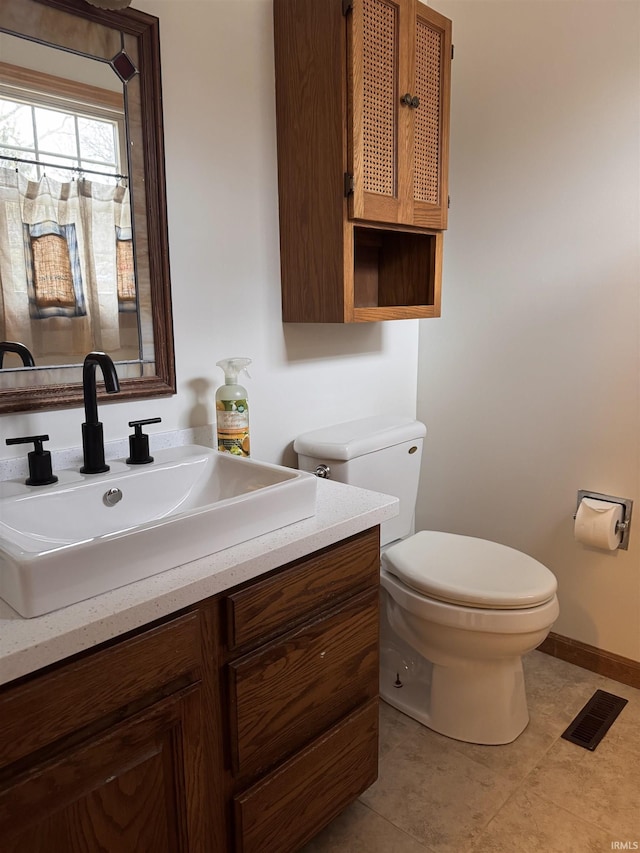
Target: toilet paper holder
x=622, y=526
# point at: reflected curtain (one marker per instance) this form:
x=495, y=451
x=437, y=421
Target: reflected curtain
x=65, y=264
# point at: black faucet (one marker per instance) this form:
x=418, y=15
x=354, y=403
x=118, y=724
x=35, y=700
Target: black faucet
x=92, y=437
x=19, y=349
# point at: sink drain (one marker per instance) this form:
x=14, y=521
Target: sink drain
x=112, y=497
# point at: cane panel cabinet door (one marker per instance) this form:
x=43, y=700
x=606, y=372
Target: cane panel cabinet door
x=399, y=81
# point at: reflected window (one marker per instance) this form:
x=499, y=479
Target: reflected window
x=67, y=265
x=37, y=124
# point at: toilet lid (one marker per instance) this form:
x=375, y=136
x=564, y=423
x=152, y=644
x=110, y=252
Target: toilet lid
x=468, y=571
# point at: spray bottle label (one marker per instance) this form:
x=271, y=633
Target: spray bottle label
x=232, y=417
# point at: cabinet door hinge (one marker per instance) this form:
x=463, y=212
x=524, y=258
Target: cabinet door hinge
x=347, y=6
x=453, y=48
x=349, y=183
x=448, y=201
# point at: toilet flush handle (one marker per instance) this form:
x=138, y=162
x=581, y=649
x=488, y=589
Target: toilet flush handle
x=323, y=471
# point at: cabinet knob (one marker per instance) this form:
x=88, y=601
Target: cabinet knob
x=410, y=100
x=406, y=100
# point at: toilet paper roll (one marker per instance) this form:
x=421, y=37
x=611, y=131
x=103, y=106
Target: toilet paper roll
x=596, y=523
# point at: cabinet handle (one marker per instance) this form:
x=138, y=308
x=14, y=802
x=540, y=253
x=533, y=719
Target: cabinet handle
x=410, y=100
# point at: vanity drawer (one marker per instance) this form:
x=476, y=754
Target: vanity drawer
x=293, y=689
x=306, y=585
x=288, y=807
x=89, y=688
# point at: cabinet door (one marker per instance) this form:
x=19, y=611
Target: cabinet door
x=291, y=690
x=431, y=118
x=381, y=71
x=134, y=789
x=275, y=604
x=293, y=803
x=398, y=92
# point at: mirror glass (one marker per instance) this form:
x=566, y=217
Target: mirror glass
x=83, y=237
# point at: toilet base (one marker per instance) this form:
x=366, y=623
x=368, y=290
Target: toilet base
x=482, y=703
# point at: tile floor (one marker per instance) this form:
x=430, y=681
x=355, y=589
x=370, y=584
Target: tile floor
x=540, y=794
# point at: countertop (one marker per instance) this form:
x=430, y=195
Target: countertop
x=27, y=645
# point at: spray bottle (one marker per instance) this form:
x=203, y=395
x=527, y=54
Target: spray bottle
x=232, y=408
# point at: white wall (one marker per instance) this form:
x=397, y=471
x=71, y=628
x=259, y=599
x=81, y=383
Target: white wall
x=530, y=382
x=219, y=113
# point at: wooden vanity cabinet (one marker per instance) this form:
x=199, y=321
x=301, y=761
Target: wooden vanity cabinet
x=362, y=106
x=302, y=682
x=245, y=723
x=106, y=753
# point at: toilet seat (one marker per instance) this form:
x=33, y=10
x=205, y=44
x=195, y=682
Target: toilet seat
x=469, y=572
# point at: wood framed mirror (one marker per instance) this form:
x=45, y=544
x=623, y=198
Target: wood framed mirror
x=45, y=42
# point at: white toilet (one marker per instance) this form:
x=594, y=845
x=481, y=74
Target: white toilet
x=457, y=613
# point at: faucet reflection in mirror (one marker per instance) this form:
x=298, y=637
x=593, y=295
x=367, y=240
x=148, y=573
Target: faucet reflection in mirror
x=92, y=436
x=19, y=349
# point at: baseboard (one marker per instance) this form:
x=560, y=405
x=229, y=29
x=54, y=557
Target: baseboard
x=621, y=669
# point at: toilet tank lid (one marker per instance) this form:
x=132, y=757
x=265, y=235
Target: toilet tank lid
x=355, y=438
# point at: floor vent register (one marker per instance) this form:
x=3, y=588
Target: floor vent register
x=594, y=720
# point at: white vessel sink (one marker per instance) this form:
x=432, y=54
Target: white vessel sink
x=63, y=543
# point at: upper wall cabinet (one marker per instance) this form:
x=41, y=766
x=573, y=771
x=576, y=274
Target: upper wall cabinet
x=362, y=103
x=398, y=97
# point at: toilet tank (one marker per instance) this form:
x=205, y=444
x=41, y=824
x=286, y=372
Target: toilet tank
x=380, y=453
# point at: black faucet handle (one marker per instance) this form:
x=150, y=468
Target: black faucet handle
x=40, y=472
x=144, y=422
x=139, y=442
x=27, y=439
